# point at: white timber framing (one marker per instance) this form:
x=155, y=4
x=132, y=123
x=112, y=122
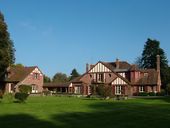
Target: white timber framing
x=118, y=81
x=99, y=68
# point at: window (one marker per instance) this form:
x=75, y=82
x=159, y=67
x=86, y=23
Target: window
x=110, y=75
x=141, y=88
x=77, y=90
x=90, y=76
x=36, y=76
x=118, y=90
x=100, y=77
x=34, y=89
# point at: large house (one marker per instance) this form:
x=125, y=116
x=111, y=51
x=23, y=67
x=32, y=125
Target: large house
x=122, y=77
x=18, y=75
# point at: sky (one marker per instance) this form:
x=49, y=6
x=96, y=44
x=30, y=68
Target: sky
x=59, y=35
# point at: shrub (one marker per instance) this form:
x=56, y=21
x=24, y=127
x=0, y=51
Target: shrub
x=168, y=89
x=8, y=98
x=152, y=94
x=162, y=93
x=1, y=94
x=143, y=94
x=25, y=89
x=104, y=90
x=46, y=92
x=21, y=97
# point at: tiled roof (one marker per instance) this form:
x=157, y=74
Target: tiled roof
x=149, y=77
x=18, y=73
x=123, y=65
x=56, y=84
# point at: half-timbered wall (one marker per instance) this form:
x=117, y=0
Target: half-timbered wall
x=118, y=81
x=99, y=68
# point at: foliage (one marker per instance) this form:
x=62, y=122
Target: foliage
x=168, y=89
x=1, y=94
x=8, y=98
x=74, y=74
x=6, y=48
x=21, y=97
x=18, y=65
x=148, y=59
x=60, y=78
x=152, y=94
x=25, y=89
x=46, y=92
x=162, y=93
x=104, y=90
x=143, y=94
x=47, y=79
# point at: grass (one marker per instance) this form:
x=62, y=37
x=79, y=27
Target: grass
x=69, y=112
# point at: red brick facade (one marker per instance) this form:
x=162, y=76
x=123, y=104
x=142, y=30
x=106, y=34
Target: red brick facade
x=31, y=76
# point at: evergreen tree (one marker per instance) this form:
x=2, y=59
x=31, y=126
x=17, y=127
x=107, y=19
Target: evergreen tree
x=6, y=48
x=148, y=59
x=151, y=50
x=74, y=74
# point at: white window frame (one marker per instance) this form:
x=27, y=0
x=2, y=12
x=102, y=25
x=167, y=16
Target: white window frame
x=141, y=88
x=118, y=90
x=34, y=89
x=77, y=90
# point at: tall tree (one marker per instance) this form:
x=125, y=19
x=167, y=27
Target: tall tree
x=60, y=78
x=74, y=74
x=148, y=59
x=6, y=48
x=151, y=50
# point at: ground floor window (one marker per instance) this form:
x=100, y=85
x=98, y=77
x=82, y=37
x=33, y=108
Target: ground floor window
x=34, y=89
x=141, y=88
x=77, y=90
x=118, y=90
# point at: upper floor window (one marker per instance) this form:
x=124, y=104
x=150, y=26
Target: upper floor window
x=101, y=77
x=35, y=75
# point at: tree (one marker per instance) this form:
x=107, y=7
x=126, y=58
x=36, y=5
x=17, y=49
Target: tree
x=74, y=74
x=60, y=78
x=104, y=90
x=47, y=79
x=148, y=59
x=6, y=48
x=168, y=89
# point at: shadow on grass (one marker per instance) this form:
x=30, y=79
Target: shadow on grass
x=122, y=115
x=23, y=121
x=157, y=98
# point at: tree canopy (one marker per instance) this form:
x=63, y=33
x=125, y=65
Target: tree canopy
x=74, y=74
x=47, y=79
x=60, y=78
x=7, y=50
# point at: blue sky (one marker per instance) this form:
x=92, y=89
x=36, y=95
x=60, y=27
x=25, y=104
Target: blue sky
x=59, y=35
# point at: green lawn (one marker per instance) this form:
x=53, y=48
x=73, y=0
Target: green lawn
x=65, y=112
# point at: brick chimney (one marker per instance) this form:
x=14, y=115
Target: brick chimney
x=159, y=73
x=87, y=67
x=117, y=63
